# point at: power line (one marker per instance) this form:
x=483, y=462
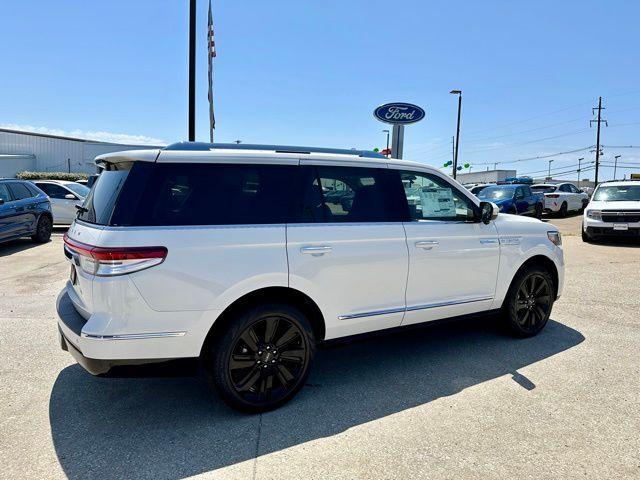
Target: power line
x=539, y=157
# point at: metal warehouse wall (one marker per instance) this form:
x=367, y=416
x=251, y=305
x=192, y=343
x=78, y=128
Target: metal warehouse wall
x=56, y=154
x=489, y=176
x=12, y=164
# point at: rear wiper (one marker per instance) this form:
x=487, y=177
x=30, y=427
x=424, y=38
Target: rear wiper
x=81, y=209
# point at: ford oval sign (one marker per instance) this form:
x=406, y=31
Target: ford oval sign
x=399, y=113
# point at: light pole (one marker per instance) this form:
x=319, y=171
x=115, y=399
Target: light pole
x=455, y=157
x=549, y=174
x=387, y=132
x=192, y=70
x=615, y=165
x=579, y=162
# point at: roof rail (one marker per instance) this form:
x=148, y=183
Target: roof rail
x=204, y=146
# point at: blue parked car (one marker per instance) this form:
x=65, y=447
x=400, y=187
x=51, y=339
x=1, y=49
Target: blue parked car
x=25, y=211
x=515, y=199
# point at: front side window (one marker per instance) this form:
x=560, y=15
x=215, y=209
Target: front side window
x=20, y=191
x=53, y=190
x=433, y=198
x=351, y=194
x=78, y=189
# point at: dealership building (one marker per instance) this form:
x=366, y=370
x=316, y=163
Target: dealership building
x=20, y=151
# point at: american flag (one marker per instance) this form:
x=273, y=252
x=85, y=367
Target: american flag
x=211, y=48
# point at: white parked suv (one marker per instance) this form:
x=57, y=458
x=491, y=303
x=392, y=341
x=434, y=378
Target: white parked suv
x=231, y=254
x=614, y=211
x=64, y=196
x=561, y=198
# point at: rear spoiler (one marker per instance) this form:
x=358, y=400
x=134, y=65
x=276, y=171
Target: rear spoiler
x=127, y=156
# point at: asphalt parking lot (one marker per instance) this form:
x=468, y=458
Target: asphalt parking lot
x=452, y=401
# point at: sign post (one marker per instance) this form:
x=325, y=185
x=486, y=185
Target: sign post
x=398, y=114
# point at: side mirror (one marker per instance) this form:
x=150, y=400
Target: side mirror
x=488, y=211
x=70, y=196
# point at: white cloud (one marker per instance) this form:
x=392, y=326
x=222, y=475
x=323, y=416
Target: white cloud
x=89, y=135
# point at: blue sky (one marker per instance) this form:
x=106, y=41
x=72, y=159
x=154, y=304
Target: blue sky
x=311, y=73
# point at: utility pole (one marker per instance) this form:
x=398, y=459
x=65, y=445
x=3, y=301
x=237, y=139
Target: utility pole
x=455, y=156
x=549, y=174
x=598, y=121
x=453, y=151
x=192, y=70
x=579, y=162
x=615, y=165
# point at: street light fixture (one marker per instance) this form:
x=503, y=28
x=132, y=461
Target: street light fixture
x=549, y=174
x=455, y=157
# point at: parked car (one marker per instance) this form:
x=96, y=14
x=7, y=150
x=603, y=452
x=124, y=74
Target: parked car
x=172, y=256
x=561, y=198
x=614, y=211
x=25, y=211
x=514, y=199
x=65, y=197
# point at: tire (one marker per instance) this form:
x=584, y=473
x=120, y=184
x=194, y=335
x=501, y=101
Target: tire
x=538, y=213
x=563, y=210
x=243, y=367
x=584, y=205
x=529, y=301
x=585, y=236
x=43, y=229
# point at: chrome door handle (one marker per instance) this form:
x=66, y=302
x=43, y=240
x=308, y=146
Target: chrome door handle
x=427, y=244
x=318, y=250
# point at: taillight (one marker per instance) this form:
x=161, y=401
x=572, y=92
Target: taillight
x=551, y=195
x=110, y=261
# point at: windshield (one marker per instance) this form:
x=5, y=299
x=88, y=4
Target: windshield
x=617, y=193
x=496, y=193
x=77, y=188
x=544, y=188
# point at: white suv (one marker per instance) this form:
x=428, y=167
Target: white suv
x=247, y=256
x=614, y=211
x=561, y=198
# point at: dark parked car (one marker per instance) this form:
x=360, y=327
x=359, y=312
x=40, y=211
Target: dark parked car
x=25, y=211
x=515, y=199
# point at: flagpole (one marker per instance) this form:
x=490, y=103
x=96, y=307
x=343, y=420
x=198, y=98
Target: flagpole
x=211, y=53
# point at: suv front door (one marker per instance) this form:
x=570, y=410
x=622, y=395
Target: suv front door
x=63, y=208
x=453, y=258
x=346, y=246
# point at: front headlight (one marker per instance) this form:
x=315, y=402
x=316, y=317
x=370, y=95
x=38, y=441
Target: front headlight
x=595, y=214
x=555, y=237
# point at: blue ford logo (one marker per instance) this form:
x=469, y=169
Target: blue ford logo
x=399, y=113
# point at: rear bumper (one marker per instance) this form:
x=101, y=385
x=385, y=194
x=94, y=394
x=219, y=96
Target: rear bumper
x=99, y=353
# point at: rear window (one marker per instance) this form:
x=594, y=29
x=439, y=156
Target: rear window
x=156, y=194
x=100, y=203
x=543, y=188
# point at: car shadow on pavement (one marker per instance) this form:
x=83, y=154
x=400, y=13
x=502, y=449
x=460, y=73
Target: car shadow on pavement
x=170, y=428
x=15, y=246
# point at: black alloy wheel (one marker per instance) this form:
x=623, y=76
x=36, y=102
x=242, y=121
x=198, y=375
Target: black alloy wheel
x=43, y=230
x=529, y=301
x=538, y=211
x=264, y=359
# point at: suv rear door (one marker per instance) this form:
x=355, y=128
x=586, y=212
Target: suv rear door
x=346, y=246
x=24, y=208
x=8, y=222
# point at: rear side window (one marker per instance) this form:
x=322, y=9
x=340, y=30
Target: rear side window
x=4, y=193
x=20, y=191
x=205, y=194
x=351, y=194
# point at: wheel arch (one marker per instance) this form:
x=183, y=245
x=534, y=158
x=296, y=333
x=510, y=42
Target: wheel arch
x=287, y=295
x=546, y=263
